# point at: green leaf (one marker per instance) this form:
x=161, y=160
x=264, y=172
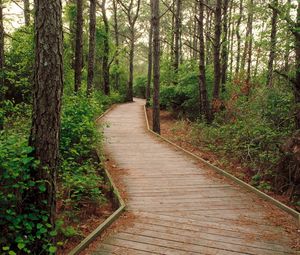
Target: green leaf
x=42, y=187
x=12, y=253
x=5, y=248
x=53, y=233
x=52, y=249
x=21, y=246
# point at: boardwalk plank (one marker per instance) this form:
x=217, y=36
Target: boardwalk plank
x=179, y=207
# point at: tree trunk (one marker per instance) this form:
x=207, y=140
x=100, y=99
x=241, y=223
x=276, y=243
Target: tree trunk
x=217, y=46
x=248, y=39
x=131, y=59
x=1, y=62
x=92, y=47
x=177, y=30
x=117, y=42
x=26, y=12
x=105, y=64
x=150, y=65
x=47, y=94
x=231, y=37
x=272, y=45
x=238, y=37
x=78, y=47
x=225, y=43
x=156, y=65
x=203, y=97
x=250, y=43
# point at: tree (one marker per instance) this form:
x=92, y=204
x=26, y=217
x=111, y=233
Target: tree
x=79, y=46
x=217, y=47
x=238, y=36
x=272, y=44
x=117, y=41
x=47, y=94
x=132, y=13
x=105, y=59
x=156, y=64
x=26, y=12
x=92, y=46
x=225, y=43
x=203, y=97
x=150, y=55
x=177, y=34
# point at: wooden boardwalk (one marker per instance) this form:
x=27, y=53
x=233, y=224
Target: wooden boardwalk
x=179, y=207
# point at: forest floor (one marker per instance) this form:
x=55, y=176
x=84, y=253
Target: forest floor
x=179, y=132
x=83, y=221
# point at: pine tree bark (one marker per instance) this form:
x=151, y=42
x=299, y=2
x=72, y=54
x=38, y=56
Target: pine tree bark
x=79, y=46
x=203, y=97
x=225, y=43
x=47, y=94
x=26, y=6
x=105, y=60
x=238, y=37
x=92, y=47
x=273, y=42
x=117, y=41
x=177, y=33
x=217, y=47
x=150, y=62
x=156, y=65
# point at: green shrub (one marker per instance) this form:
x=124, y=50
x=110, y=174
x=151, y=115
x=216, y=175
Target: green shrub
x=139, y=88
x=21, y=224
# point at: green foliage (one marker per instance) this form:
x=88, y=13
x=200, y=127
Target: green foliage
x=251, y=130
x=139, y=88
x=21, y=225
x=183, y=98
x=19, y=66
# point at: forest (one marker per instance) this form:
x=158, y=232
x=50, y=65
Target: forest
x=227, y=73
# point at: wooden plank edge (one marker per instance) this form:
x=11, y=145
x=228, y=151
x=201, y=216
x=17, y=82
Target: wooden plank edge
x=112, y=218
x=92, y=236
x=243, y=184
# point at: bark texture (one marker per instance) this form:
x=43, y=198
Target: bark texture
x=79, y=46
x=217, y=48
x=117, y=41
x=47, y=94
x=105, y=60
x=203, y=97
x=150, y=62
x=156, y=65
x=92, y=46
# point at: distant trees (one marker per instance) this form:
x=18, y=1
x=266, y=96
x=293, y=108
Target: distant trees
x=131, y=11
x=47, y=94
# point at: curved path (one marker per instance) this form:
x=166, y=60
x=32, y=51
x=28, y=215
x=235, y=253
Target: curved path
x=181, y=208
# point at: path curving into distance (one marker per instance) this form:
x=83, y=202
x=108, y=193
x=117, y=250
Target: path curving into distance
x=179, y=207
